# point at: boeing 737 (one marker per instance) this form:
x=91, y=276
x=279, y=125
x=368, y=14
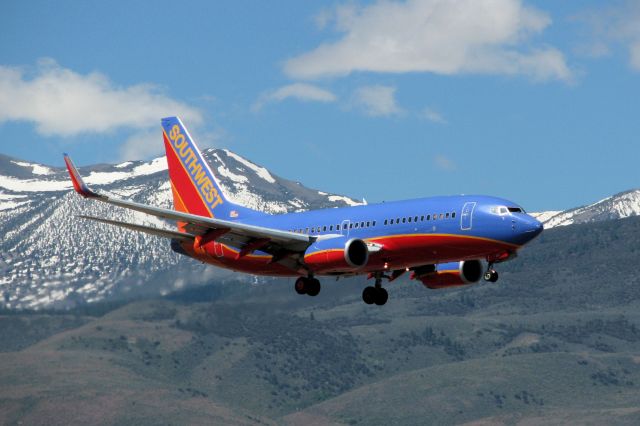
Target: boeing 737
x=441, y=241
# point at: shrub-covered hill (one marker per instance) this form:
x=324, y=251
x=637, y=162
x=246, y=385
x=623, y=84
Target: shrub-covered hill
x=556, y=340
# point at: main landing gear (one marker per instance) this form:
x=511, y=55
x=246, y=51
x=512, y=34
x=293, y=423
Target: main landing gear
x=375, y=294
x=307, y=285
x=491, y=275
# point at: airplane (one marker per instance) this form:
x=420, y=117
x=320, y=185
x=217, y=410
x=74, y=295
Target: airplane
x=442, y=241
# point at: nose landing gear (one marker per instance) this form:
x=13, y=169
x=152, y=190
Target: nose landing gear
x=491, y=275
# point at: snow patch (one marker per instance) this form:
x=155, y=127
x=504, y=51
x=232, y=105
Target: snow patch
x=123, y=165
x=260, y=171
x=346, y=200
x=230, y=175
x=156, y=165
x=7, y=205
x=33, y=185
x=545, y=216
x=36, y=169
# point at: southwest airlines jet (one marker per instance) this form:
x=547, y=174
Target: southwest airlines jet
x=441, y=241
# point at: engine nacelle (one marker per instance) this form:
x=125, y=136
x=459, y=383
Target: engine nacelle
x=337, y=254
x=450, y=274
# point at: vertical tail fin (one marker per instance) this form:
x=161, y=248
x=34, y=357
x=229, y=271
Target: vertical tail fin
x=195, y=187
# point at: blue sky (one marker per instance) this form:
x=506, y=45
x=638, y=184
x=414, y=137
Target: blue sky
x=533, y=101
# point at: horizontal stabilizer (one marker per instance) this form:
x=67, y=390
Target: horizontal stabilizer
x=166, y=233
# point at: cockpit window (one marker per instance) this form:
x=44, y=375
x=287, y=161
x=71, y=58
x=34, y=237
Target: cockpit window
x=516, y=210
x=499, y=210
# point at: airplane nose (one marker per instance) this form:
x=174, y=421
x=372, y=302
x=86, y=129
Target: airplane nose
x=533, y=228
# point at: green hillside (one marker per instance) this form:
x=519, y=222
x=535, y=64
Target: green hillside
x=556, y=340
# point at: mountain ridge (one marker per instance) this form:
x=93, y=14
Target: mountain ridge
x=48, y=258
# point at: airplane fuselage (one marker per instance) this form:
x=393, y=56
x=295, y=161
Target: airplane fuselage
x=407, y=234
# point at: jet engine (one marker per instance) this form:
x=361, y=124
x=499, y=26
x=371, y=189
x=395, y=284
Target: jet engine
x=449, y=274
x=337, y=254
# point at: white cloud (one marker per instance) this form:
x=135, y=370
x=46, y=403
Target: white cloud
x=439, y=36
x=62, y=102
x=616, y=23
x=433, y=116
x=142, y=144
x=300, y=91
x=376, y=101
x=444, y=163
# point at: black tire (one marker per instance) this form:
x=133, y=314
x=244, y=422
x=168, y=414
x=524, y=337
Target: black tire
x=494, y=277
x=381, y=296
x=301, y=285
x=369, y=295
x=313, y=287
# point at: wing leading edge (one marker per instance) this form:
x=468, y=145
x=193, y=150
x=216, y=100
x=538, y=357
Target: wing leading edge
x=275, y=241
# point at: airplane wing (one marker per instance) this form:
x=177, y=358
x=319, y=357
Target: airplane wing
x=166, y=233
x=241, y=235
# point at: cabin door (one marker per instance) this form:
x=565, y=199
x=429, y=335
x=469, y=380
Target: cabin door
x=466, y=218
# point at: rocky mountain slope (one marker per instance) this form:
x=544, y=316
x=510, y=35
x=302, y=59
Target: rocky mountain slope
x=48, y=257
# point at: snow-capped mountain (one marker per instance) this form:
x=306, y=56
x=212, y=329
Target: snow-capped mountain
x=48, y=257
x=619, y=206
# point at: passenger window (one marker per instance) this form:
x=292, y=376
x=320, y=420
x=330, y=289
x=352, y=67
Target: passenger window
x=422, y=218
x=447, y=216
x=404, y=220
x=368, y=224
x=435, y=217
x=331, y=228
x=386, y=221
x=428, y=217
x=324, y=228
x=307, y=231
x=338, y=227
x=409, y=220
x=374, y=223
x=453, y=215
x=441, y=216
x=415, y=219
x=397, y=220
x=356, y=225
x=361, y=224
x=351, y=226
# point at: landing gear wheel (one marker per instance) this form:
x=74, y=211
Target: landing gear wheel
x=301, y=285
x=369, y=295
x=381, y=296
x=491, y=275
x=313, y=287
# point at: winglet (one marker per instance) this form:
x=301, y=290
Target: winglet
x=78, y=184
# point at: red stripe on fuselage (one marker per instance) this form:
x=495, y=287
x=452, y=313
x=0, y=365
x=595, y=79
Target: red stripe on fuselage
x=399, y=252
x=183, y=183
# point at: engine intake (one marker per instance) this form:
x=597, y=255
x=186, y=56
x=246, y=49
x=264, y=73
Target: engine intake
x=356, y=253
x=337, y=255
